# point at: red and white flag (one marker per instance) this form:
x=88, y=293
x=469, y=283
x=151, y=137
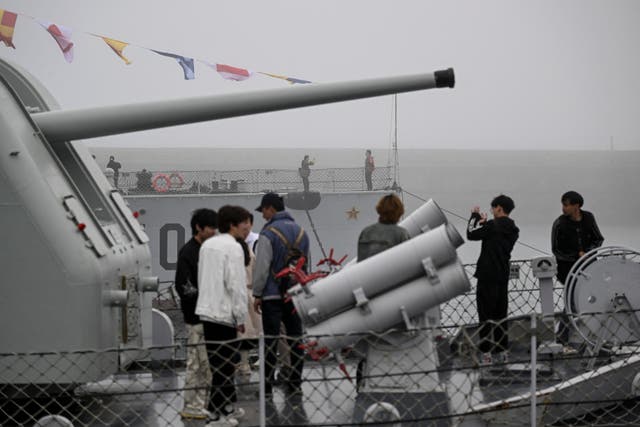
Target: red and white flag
x=62, y=36
x=231, y=73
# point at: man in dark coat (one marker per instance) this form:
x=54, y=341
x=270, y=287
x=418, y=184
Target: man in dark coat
x=492, y=271
x=204, y=223
x=574, y=233
x=115, y=166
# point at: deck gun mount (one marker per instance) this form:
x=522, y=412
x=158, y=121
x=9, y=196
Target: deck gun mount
x=77, y=267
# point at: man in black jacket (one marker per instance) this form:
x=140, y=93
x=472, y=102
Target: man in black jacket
x=492, y=271
x=198, y=376
x=574, y=233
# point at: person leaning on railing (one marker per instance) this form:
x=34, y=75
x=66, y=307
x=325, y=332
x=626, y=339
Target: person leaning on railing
x=573, y=234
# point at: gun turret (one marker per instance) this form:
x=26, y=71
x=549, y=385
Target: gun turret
x=79, y=255
x=101, y=121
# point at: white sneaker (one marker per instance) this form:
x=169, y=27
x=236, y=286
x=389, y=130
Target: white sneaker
x=237, y=413
x=223, y=421
x=189, y=413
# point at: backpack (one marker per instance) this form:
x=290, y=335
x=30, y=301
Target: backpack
x=291, y=257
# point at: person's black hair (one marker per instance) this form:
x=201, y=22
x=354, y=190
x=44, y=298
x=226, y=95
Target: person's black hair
x=203, y=217
x=573, y=198
x=245, y=249
x=251, y=218
x=228, y=215
x=505, y=202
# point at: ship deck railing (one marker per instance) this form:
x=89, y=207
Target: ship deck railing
x=590, y=382
x=165, y=182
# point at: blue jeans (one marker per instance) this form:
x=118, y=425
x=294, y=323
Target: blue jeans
x=273, y=313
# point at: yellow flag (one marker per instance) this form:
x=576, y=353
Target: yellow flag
x=7, y=25
x=276, y=76
x=117, y=47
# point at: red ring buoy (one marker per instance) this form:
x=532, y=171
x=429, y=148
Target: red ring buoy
x=176, y=180
x=161, y=183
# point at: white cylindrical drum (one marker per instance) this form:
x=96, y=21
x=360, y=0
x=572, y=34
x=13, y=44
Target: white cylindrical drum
x=385, y=311
x=426, y=217
x=375, y=275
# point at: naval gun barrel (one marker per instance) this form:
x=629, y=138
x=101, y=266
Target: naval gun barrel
x=66, y=125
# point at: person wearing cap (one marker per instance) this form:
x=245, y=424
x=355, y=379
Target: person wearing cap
x=271, y=258
x=573, y=233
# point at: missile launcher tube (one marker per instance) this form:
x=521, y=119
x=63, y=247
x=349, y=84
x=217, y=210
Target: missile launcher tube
x=426, y=217
x=385, y=311
x=375, y=275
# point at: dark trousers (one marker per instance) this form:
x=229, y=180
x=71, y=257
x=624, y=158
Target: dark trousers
x=563, y=270
x=493, y=305
x=222, y=357
x=274, y=312
x=305, y=183
x=563, y=322
x=367, y=178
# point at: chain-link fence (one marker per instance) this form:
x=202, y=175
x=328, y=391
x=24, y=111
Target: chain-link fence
x=524, y=296
x=248, y=181
x=434, y=375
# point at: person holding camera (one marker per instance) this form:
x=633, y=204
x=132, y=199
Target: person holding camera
x=498, y=235
x=305, y=171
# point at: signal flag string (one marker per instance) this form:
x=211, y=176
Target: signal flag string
x=63, y=36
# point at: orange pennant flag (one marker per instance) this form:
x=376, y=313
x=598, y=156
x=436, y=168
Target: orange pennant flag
x=117, y=47
x=7, y=25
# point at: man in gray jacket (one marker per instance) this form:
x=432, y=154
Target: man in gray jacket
x=279, y=238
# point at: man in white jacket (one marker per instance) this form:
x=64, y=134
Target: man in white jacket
x=222, y=307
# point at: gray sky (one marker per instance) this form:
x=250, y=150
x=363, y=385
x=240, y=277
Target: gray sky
x=530, y=74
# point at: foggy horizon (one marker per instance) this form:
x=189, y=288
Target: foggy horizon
x=541, y=75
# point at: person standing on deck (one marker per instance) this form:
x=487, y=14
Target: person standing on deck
x=278, y=238
x=197, y=376
x=305, y=171
x=369, y=166
x=385, y=233
x=573, y=234
x=498, y=236
x=222, y=307
x=115, y=166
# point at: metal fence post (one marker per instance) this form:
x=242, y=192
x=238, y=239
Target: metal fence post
x=261, y=379
x=534, y=350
